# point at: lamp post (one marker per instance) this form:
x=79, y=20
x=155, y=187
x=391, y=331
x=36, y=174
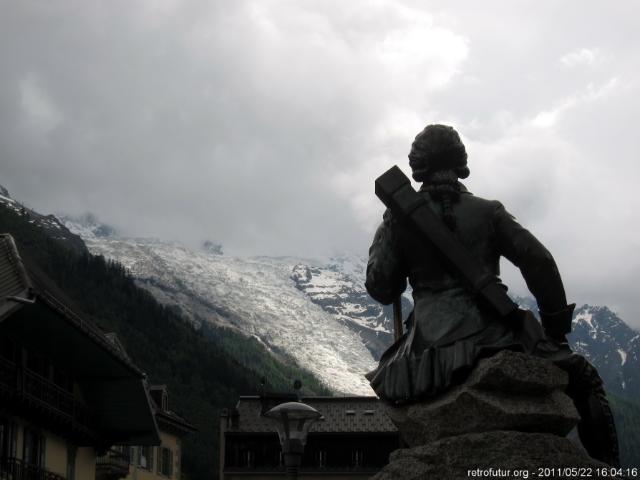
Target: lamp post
x=292, y=421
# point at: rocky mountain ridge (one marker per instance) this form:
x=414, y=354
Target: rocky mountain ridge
x=598, y=333
x=253, y=295
x=51, y=224
x=336, y=285
x=315, y=310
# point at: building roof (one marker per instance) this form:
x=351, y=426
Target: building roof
x=14, y=281
x=35, y=310
x=23, y=284
x=167, y=419
x=172, y=422
x=339, y=415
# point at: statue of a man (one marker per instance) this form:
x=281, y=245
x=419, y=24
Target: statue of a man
x=450, y=329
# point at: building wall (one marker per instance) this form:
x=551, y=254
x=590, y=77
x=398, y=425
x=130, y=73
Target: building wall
x=56, y=451
x=19, y=437
x=85, y=463
x=169, y=441
x=56, y=455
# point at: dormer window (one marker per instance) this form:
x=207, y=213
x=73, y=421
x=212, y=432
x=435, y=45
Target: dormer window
x=160, y=397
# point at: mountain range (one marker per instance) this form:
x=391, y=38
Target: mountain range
x=317, y=310
x=314, y=311
x=205, y=369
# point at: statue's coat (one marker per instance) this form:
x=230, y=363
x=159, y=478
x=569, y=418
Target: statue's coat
x=450, y=328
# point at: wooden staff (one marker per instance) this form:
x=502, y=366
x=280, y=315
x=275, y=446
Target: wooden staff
x=397, y=318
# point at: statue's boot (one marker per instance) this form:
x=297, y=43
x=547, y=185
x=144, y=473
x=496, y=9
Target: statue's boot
x=596, y=428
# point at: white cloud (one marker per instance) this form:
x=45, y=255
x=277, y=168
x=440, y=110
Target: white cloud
x=583, y=56
x=591, y=93
x=38, y=108
x=263, y=124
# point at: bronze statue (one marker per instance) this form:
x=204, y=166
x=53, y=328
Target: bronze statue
x=448, y=243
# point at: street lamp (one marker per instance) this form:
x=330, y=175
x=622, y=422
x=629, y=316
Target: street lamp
x=292, y=421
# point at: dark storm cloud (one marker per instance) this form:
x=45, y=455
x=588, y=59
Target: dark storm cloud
x=263, y=124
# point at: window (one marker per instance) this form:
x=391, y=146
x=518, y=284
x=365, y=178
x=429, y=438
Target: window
x=71, y=462
x=37, y=363
x=176, y=463
x=321, y=458
x=248, y=458
x=62, y=379
x=8, y=438
x=33, y=447
x=356, y=458
x=8, y=349
x=145, y=457
x=165, y=462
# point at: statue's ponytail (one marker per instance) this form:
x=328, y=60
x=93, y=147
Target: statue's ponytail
x=443, y=187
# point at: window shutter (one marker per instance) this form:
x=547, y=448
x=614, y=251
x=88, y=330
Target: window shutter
x=42, y=440
x=72, y=452
x=26, y=445
x=14, y=439
x=178, y=461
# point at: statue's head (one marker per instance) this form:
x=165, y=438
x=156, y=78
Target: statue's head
x=437, y=148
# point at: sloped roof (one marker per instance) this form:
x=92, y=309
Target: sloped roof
x=22, y=284
x=169, y=420
x=32, y=307
x=14, y=282
x=339, y=415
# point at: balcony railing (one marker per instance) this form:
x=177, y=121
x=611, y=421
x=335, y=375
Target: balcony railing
x=42, y=390
x=34, y=388
x=8, y=374
x=113, y=465
x=14, y=469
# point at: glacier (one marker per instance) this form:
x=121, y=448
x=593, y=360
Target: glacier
x=255, y=295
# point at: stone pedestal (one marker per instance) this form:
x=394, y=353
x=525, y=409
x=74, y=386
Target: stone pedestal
x=510, y=415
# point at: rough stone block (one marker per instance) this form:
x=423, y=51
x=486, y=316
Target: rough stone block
x=519, y=373
x=503, y=451
x=510, y=391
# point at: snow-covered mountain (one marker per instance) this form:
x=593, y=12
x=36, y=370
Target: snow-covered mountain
x=600, y=335
x=254, y=295
x=50, y=223
x=321, y=304
x=609, y=343
x=314, y=310
x=337, y=285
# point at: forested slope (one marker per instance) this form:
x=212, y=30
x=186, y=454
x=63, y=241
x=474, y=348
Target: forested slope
x=205, y=371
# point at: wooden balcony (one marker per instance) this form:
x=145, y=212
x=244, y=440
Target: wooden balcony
x=113, y=465
x=14, y=469
x=34, y=394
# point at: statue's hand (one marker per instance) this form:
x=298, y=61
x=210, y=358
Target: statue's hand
x=558, y=324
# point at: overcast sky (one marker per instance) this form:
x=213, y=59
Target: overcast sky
x=262, y=125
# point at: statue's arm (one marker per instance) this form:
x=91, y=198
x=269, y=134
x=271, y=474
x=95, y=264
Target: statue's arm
x=386, y=275
x=535, y=262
